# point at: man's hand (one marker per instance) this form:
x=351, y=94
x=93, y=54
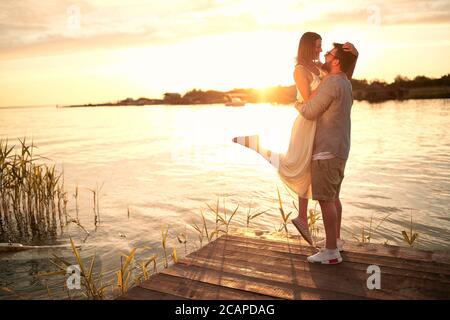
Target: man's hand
x=350, y=48
x=313, y=93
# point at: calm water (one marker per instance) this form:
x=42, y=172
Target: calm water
x=165, y=163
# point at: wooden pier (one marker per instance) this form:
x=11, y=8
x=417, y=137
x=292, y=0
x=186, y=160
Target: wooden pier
x=259, y=266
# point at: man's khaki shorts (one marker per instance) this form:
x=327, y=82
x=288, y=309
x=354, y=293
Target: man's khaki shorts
x=326, y=178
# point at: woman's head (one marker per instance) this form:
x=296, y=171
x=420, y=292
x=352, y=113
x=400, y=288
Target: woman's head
x=309, y=48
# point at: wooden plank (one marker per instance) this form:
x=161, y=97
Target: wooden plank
x=440, y=257
x=192, y=289
x=286, y=267
x=141, y=293
x=359, y=262
x=250, y=268
x=431, y=267
x=264, y=286
x=342, y=278
x=435, y=257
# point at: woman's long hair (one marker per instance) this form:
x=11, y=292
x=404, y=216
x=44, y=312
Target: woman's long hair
x=307, y=48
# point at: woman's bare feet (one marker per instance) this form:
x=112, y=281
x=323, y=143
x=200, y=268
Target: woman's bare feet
x=303, y=229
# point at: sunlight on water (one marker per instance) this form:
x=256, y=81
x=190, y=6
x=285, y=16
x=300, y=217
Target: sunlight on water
x=164, y=163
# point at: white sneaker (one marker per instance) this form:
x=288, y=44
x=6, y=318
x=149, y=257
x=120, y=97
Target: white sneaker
x=326, y=256
x=340, y=244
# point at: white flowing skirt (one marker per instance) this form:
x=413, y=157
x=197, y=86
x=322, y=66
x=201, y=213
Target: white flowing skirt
x=294, y=167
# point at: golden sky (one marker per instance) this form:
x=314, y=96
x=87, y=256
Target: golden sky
x=69, y=51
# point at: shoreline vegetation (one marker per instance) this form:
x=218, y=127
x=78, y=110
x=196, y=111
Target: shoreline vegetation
x=33, y=202
x=421, y=87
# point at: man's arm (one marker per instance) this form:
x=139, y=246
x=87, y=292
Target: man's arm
x=351, y=48
x=319, y=103
x=350, y=71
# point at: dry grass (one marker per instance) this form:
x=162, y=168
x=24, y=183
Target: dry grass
x=412, y=236
x=33, y=203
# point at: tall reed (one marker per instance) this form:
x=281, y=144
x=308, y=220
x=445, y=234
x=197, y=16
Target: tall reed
x=96, y=204
x=284, y=216
x=32, y=197
x=412, y=236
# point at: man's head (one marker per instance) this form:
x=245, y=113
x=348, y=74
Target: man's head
x=338, y=60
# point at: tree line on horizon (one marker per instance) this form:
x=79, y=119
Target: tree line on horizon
x=420, y=87
x=404, y=82
x=364, y=89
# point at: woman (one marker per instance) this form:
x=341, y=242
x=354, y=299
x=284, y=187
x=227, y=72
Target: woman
x=294, y=166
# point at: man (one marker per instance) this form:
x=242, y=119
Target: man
x=331, y=107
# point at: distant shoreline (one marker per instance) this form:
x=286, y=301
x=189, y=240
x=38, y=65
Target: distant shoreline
x=374, y=95
x=402, y=88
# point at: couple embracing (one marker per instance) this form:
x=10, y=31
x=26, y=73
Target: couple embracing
x=313, y=166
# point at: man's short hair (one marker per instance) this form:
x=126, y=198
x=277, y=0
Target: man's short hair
x=346, y=58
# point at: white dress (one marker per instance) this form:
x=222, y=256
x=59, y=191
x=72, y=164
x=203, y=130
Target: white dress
x=294, y=167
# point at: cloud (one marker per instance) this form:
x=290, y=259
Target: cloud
x=61, y=26
x=26, y=22
x=37, y=31
x=415, y=12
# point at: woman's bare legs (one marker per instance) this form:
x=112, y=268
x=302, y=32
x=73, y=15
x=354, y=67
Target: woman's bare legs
x=301, y=222
x=266, y=153
x=252, y=142
x=303, y=210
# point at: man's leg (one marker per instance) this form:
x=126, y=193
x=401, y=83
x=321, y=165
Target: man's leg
x=331, y=254
x=329, y=215
x=327, y=176
x=338, y=217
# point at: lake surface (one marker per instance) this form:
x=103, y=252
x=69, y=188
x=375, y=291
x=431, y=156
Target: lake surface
x=163, y=164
